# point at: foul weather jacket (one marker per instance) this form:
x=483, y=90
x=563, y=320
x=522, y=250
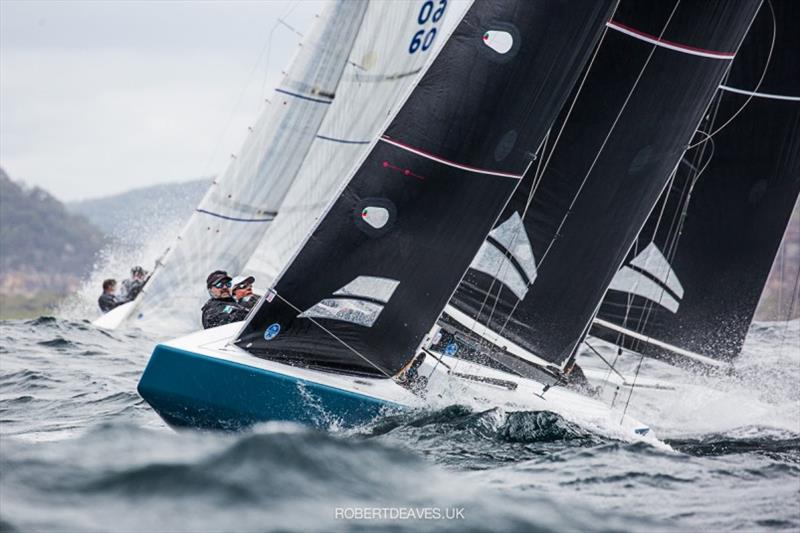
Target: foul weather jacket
x=108, y=301
x=220, y=311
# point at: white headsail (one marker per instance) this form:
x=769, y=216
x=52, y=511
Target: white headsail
x=387, y=55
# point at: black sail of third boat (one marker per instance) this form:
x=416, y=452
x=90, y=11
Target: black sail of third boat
x=691, y=285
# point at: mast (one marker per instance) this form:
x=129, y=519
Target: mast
x=692, y=282
x=239, y=206
x=374, y=274
x=534, y=287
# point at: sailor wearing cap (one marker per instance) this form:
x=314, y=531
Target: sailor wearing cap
x=242, y=290
x=221, y=308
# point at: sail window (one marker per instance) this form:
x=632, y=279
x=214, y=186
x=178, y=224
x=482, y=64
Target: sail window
x=652, y=261
x=630, y=281
x=507, y=256
x=372, y=287
x=494, y=263
x=357, y=312
x=375, y=216
x=499, y=41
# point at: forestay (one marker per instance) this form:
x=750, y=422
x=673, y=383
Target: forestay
x=396, y=40
x=535, y=285
x=378, y=268
x=692, y=282
x=240, y=205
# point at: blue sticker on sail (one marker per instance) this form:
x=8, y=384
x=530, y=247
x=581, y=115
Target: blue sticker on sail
x=272, y=332
x=451, y=349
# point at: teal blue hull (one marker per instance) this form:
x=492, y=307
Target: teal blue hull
x=193, y=390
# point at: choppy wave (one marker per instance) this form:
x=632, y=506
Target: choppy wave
x=82, y=452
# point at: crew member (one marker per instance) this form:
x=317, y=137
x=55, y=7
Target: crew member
x=242, y=290
x=221, y=308
x=133, y=286
x=108, y=299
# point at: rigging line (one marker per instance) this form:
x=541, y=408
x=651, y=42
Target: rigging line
x=760, y=81
x=597, y=156
x=536, y=180
x=497, y=218
x=267, y=48
x=647, y=311
x=792, y=302
x=633, y=386
x=505, y=264
x=332, y=334
x=472, y=333
x=610, y=367
x=269, y=52
x=543, y=167
x=649, y=306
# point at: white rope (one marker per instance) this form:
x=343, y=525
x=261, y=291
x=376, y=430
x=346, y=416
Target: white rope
x=760, y=80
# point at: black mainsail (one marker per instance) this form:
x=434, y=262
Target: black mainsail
x=379, y=267
x=692, y=282
x=536, y=284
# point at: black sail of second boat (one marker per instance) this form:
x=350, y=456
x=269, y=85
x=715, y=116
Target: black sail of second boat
x=379, y=267
x=536, y=284
x=691, y=284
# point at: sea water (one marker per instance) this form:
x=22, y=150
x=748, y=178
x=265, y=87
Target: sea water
x=80, y=451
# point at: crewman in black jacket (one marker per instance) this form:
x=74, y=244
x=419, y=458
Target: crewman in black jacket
x=221, y=308
x=108, y=300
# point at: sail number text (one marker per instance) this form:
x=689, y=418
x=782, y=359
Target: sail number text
x=423, y=39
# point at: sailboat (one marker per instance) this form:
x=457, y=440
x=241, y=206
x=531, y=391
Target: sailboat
x=353, y=48
x=691, y=284
x=341, y=335
x=533, y=289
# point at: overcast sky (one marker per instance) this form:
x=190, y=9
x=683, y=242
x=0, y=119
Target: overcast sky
x=100, y=97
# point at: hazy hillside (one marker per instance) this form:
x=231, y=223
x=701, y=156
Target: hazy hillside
x=130, y=218
x=44, y=249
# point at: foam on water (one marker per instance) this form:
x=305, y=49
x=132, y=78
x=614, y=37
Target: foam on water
x=81, y=451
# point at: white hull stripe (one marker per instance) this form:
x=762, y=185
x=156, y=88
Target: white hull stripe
x=760, y=95
x=438, y=159
x=636, y=34
x=654, y=342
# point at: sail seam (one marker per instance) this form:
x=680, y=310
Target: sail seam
x=443, y=161
x=304, y=97
x=652, y=39
x=343, y=141
x=271, y=216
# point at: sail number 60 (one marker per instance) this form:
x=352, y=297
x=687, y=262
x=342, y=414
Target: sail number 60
x=424, y=38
